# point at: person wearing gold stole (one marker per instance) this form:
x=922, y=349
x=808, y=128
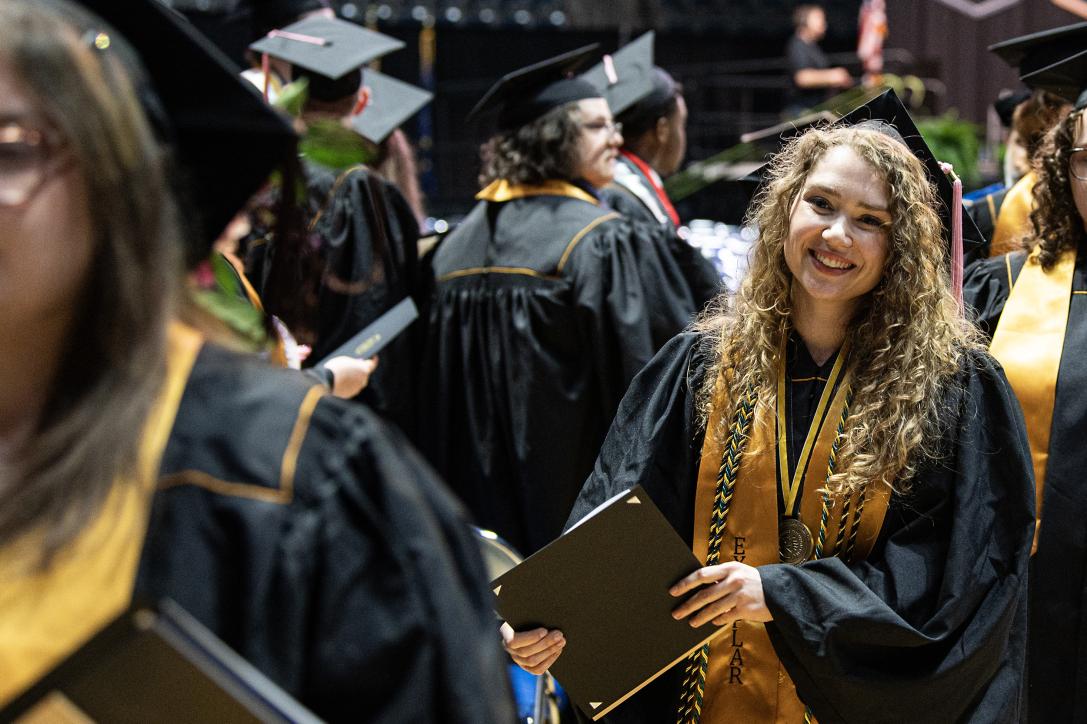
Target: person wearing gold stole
x=140, y=459
x=1032, y=303
x=846, y=460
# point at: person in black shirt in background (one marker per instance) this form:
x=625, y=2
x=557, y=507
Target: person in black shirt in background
x=813, y=80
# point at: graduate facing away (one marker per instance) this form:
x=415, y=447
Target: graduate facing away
x=845, y=459
x=545, y=305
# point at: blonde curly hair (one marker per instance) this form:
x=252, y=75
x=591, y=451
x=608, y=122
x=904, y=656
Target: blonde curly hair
x=908, y=337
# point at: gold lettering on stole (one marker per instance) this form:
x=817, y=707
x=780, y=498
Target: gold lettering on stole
x=745, y=680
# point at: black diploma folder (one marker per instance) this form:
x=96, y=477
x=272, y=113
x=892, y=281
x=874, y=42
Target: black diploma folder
x=154, y=664
x=604, y=584
x=377, y=334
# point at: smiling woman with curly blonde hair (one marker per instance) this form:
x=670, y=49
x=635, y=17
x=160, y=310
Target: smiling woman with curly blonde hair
x=907, y=340
x=844, y=459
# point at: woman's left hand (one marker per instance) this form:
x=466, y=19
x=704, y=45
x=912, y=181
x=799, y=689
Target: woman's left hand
x=730, y=592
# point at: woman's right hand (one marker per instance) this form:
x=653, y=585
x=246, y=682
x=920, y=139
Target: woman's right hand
x=535, y=650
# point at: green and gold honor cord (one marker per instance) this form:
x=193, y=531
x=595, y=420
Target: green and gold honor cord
x=694, y=681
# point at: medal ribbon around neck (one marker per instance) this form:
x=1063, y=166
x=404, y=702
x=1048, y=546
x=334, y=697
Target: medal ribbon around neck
x=790, y=486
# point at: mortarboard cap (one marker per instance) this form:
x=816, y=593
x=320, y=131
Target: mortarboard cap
x=267, y=15
x=1005, y=106
x=887, y=114
x=391, y=103
x=626, y=77
x=1029, y=53
x=227, y=141
x=528, y=93
x=326, y=46
x=1066, y=78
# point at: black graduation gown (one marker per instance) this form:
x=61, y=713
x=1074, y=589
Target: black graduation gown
x=1058, y=589
x=369, y=240
x=984, y=211
x=349, y=577
x=543, y=310
x=703, y=280
x=931, y=627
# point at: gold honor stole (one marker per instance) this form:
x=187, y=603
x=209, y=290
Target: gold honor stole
x=745, y=681
x=502, y=190
x=48, y=613
x=1012, y=222
x=1028, y=343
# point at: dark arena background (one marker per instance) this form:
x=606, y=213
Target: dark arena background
x=727, y=54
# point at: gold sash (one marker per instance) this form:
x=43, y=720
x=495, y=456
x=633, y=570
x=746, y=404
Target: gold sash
x=46, y=614
x=1012, y=222
x=1028, y=342
x=502, y=190
x=745, y=681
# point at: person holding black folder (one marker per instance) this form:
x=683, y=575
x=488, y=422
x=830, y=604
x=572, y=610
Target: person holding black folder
x=844, y=457
x=357, y=257
x=141, y=461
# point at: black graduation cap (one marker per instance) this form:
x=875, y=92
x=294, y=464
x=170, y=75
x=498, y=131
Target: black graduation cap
x=226, y=139
x=626, y=77
x=1005, y=106
x=1066, y=78
x=391, y=103
x=1029, y=53
x=887, y=109
x=270, y=14
x=528, y=93
x=326, y=46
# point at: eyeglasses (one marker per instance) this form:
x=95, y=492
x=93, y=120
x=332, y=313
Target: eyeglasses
x=28, y=158
x=612, y=127
x=1077, y=163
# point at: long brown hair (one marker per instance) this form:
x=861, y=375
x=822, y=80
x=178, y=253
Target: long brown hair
x=907, y=337
x=89, y=432
x=1056, y=222
x=543, y=150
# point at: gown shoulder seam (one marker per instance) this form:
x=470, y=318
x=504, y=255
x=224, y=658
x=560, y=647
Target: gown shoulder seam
x=581, y=235
x=283, y=494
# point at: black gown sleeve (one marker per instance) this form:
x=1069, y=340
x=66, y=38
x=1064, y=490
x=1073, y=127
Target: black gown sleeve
x=323, y=550
x=701, y=280
x=934, y=619
x=654, y=441
x=369, y=243
x=986, y=286
x=632, y=298
x=419, y=643
x=623, y=201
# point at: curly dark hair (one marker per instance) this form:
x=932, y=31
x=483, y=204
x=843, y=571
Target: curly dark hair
x=1035, y=116
x=536, y=152
x=638, y=119
x=1057, y=223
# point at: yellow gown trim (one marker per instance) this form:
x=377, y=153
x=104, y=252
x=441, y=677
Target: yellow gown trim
x=47, y=613
x=1028, y=343
x=1013, y=220
x=503, y=190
